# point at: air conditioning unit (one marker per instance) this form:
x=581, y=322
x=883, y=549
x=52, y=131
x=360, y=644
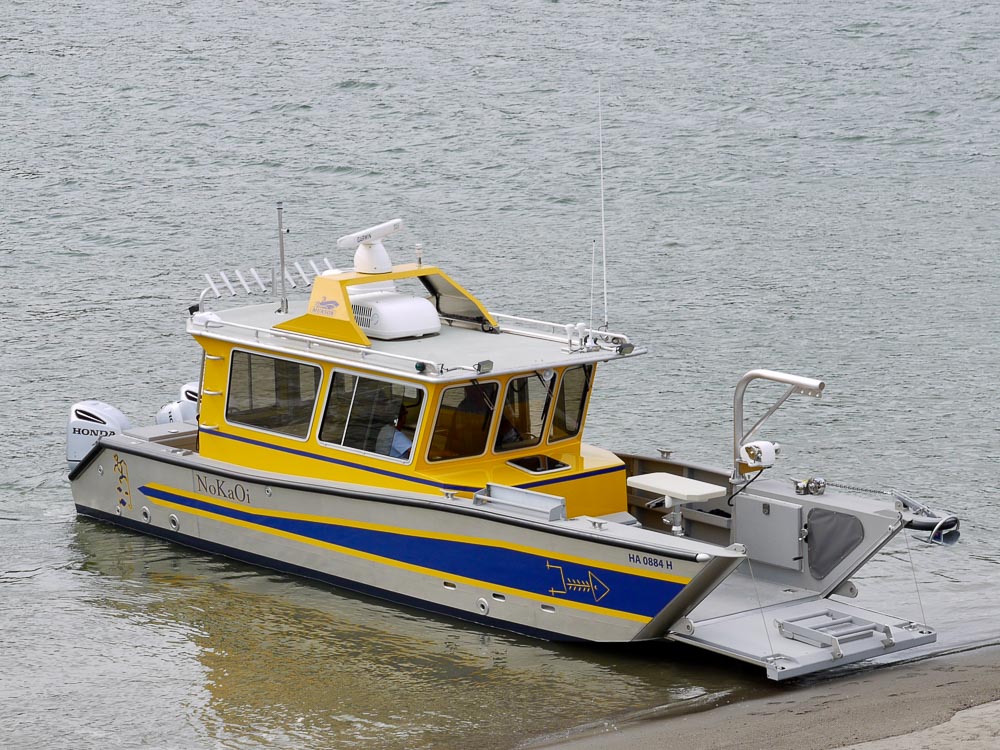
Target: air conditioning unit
x=392, y=315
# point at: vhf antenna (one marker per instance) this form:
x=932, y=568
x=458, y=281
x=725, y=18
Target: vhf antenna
x=283, y=306
x=604, y=252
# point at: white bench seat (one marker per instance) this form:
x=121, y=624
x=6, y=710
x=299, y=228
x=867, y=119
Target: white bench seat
x=676, y=489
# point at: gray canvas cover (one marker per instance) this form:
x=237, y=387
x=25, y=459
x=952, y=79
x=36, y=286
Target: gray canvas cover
x=832, y=537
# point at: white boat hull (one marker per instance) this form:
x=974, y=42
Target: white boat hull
x=562, y=580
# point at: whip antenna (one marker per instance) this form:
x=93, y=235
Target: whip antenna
x=604, y=252
x=283, y=307
x=593, y=264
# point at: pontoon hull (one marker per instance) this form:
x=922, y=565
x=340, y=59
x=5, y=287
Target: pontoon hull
x=548, y=579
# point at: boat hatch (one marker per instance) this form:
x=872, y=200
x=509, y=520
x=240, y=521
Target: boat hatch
x=538, y=464
x=801, y=637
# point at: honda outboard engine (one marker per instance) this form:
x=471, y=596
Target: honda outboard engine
x=184, y=409
x=89, y=421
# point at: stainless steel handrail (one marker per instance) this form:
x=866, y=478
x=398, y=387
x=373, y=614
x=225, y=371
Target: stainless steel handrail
x=306, y=343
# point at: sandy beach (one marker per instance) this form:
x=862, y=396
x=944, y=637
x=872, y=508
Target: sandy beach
x=946, y=701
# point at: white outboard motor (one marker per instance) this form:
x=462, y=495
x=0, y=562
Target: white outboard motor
x=89, y=421
x=184, y=409
x=191, y=391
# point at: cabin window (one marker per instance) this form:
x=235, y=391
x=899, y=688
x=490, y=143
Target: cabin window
x=463, y=422
x=525, y=407
x=272, y=394
x=571, y=400
x=375, y=416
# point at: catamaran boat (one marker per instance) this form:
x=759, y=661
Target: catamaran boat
x=391, y=436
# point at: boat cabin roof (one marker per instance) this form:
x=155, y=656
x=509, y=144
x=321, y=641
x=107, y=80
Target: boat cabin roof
x=469, y=340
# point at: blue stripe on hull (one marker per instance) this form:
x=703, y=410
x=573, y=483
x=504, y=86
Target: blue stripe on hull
x=315, y=575
x=512, y=569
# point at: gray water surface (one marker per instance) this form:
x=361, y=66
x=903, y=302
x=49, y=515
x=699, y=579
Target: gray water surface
x=805, y=187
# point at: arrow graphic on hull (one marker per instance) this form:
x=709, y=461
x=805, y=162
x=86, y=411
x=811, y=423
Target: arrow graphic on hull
x=591, y=584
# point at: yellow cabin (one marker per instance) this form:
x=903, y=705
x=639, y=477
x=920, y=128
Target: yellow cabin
x=369, y=383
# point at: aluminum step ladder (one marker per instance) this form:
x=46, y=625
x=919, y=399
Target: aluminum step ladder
x=833, y=630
